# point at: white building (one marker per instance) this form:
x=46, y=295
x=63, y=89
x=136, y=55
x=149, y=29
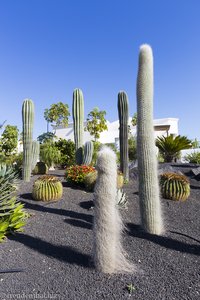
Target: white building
x=164, y=127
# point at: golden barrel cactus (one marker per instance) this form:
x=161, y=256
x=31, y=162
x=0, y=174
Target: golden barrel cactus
x=47, y=188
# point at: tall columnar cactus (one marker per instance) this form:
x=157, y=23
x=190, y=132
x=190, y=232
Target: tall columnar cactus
x=123, y=133
x=88, y=152
x=78, y=119
x=108, y=251
x=27, y=122
x=150, y=207
x=35, y=153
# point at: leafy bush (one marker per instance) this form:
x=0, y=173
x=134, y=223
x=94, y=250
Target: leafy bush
x=12, y=215
x=193, y=158
x=49, y=154
x=76, y=174
x=170, y=146
x=67, y=150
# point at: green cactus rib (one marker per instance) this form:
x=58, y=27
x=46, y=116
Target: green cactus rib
x=47, y=188
x=123, y=133
x=78, y=120
x=35, y=153
x=88, y=152
x=27, y=122
x=150, y=208
x=174, y=186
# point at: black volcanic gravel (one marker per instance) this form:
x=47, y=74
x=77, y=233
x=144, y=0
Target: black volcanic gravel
x=54, y=251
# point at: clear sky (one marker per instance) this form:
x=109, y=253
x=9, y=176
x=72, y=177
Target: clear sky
x=50, y=47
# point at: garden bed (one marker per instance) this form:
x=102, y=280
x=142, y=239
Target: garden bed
x=54, y=251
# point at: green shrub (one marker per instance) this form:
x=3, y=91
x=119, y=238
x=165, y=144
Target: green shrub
x=132, y=149
x=67, y=150
x=174, y=186
x=90, y=181
x=47, y=188
x=76, y=174
x=49, y=154
x=193, y=158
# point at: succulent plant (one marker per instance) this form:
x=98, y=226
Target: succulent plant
x=174, y=186
x=90, y=181
x=40, y=169
x=27, y=120
x=88, y=153
x=150, y=208
x=123, y=133
x=78, y=119
x=47, y=188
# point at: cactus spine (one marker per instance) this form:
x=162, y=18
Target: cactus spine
x=88, y=152
x=123, y=133
x=35, y=153
x=27, y=120
x=108, y=251
x=78, y=119
x=150, y=207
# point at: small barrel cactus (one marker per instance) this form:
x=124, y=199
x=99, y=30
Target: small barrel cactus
x=47, y=188
x=174, y=186
x=40, y=169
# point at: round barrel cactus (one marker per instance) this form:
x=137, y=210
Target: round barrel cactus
x=47, y=188
x=174, y=186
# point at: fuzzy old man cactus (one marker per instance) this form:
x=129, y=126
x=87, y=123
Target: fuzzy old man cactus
x=78, y=119
x=150, y=207
x=123, y=133
x=108, y=251
x=27, y=123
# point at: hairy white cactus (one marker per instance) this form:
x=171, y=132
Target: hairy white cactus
x=150, y=207
x=109, y=256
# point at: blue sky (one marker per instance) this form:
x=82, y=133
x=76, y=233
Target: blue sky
x=50, y=47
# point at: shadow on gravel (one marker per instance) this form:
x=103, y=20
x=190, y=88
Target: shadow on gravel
x=194, y=187
x=183, y=234
x=58, y=211
x=62, y=253
x=136, y=231
x=27, y=196
x=79, y=223
x=87, y=204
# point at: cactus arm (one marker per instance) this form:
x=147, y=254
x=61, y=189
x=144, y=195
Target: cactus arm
x=123, y=133
x=150, y=207
x=78, y=120
x=27, y=122
x=88, y=152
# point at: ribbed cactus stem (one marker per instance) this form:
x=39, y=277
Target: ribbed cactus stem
x=108, y=251
x=150, y=207
x=78, y=120
x=27, y=121
x=35, y=153
x=88, y=152
x=123, y=112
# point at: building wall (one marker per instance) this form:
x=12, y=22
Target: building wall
x=112, y=134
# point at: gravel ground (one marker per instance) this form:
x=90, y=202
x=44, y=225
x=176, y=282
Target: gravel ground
x=54, y=251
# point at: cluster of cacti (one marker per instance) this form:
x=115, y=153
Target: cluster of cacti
x=47, y=188
x=40, y=168
x=123, y=112
x=35, y=153
x=78, y=120
x=27, y=121
x=174, y=186
x=108, y=251
x=150, y=207
x=88, y=152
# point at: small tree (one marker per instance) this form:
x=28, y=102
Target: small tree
x=45, y=137
x=9, y=140
x=58, y=113
x=96, y=123
x=67, y=150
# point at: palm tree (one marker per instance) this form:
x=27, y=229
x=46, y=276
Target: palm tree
x=170, y=146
